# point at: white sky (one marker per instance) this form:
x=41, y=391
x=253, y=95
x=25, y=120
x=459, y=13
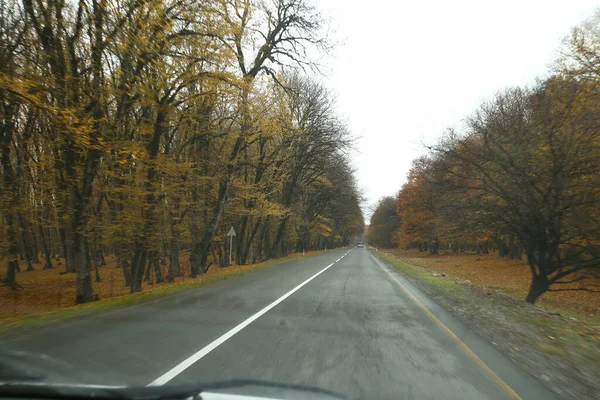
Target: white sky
x=407, y=70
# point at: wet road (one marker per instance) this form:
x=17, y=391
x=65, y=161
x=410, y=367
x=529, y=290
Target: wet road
x=339, y=320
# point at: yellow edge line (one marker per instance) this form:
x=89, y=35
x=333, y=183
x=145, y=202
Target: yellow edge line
x=491, y=375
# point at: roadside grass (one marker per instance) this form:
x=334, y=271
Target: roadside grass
x=554, y=330
x=158, y=291
x=443, y=285
x=561, y=336
x=509, y=276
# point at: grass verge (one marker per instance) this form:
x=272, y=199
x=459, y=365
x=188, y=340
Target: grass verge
x=440, y=283
x=38, y=320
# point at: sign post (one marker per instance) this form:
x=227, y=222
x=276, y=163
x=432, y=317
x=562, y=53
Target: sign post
x=231, y=234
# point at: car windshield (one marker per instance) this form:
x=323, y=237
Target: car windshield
x=299, y=199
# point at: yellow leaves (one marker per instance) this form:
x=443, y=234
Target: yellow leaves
x=253, y=200
x=185, y=138
x=27, y=90
x=71, y=122
x=321, y=226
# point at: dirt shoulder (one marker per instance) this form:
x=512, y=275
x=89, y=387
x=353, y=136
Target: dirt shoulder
x=561, y=349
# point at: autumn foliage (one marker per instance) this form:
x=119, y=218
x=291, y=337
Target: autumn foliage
x=142, y=129
x=384, y=224
x=522, y=177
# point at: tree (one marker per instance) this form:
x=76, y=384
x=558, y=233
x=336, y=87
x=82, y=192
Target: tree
x=280, y=31
x=529, y=161
x=417, y=206
x=148, y=129
x=385, y=223
x=12, y=33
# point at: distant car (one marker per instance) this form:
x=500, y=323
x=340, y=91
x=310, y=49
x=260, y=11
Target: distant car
x=360, y=244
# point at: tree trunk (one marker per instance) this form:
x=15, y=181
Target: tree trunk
x=32, y=244
x=198, y=262
x=10, y=279
x=138, y=268
x=539, y=285
x=142, y=244
x=264, y=241
x=502, y=248
x=276, y=251
x=80, y=248
x=46, y=248
x=158, y=276
x=240, y=257
x=13, y=257
x=25, y=256
x=221, y=258
x=435, y=247
x=148, y=272
x=93, y=263
x=515, y=250
x=84, y=276
x=67, y=248
x=10, y=187
x=126, y=268
x=174, y=267
x=248, y=247
x=199, y=254
x=153, y=265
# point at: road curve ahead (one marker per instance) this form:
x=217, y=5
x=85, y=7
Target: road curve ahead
x=339, y=320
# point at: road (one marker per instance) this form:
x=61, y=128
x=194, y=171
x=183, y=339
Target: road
x=340, y=320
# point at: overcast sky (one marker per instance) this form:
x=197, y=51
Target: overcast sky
x=404, y=71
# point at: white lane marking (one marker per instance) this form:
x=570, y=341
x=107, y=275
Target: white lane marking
x=338, y=260
x=185, y=364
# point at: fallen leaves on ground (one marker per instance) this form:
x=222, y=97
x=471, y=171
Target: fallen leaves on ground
x=48, y=290
x=510, y=276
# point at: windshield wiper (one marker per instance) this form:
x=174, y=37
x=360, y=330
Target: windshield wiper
x=44, y=390
x=238, y=383
x=168, y=392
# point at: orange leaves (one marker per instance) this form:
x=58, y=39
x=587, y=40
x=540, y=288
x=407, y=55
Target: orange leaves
x=416, y=208
x=509, y=276
x=385, y=223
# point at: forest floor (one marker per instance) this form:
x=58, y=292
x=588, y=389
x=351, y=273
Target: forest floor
x=508, y=276
x=557, y=340
x=46, y=295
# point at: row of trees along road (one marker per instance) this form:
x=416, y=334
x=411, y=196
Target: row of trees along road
x=144, y=128
x=384, y=225
x=522, y=176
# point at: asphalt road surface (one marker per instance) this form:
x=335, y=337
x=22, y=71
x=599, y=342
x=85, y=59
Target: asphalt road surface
x=340, y=320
